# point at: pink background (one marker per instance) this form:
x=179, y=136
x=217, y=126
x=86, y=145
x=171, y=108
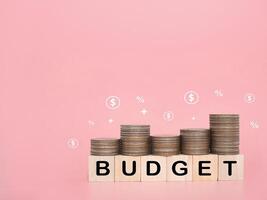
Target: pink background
x=59, y=60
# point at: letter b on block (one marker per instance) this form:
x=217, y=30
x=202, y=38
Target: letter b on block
x=101, y=168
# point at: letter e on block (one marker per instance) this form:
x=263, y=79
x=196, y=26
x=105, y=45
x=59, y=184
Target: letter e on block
x=231, y=167
x=205, y=167
x=101, y=168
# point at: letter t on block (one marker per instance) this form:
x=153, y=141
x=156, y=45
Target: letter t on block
x=101, y=168
x=231, y=167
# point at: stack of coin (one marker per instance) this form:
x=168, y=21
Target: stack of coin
x=105, y=146
x=195, y=141
x=224, y=133
x=165, y=145
x=135, y=140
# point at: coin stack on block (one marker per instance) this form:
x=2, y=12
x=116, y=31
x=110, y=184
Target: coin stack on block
x=195, y=141
x=224, y=134
x=165, y=145
x=135, y=140
x=105, y=146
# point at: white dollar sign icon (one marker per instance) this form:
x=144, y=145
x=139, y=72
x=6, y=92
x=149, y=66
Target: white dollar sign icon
x=73, y=143
x=191, y=97
x=112, y=102
x=168, y=115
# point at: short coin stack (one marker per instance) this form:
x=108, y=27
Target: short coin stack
x=224, y=133
x=195, y=141
x=165, y=145
x=135, y=140
x=105, y=146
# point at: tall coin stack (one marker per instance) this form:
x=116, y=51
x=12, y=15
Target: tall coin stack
x=135, y=140
x=195, y=141
x=105, y=146
x=165, y=145
x=224, y=133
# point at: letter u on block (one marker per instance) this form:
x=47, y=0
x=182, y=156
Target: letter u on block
x=127, y=168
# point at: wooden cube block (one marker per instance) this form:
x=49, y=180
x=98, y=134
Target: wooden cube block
x=231, y=167
x=101, y=168
x=127, y=168
x=153, y=168
x=179, y=168
x=205, y=167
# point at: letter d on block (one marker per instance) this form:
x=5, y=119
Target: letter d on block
x=153, y=168
x=101, y=168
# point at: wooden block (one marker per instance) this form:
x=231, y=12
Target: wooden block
x=127, y=168
x=153, y=168
x=179, y=168
x=101, y=168
x=205, y=167
x=231, y=167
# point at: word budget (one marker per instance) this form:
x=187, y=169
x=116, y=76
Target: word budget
x=196, y=154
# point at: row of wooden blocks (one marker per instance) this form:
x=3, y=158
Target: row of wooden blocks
x=172, y=168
